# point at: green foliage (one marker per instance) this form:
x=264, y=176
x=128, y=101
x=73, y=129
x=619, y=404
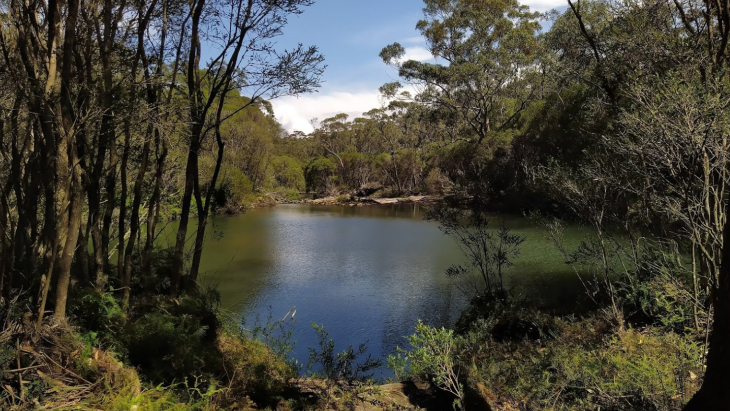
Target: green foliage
x=234, y=189
x=507, y=320
x=572, y=365
x=178, y=340
x=436, y=182
x=483, y=41
x=489, y=252
x=288, y=194
x=276, y=334
x=97, y=313
x=156, y=279
x=355, y=169
x=343, y=365
x=261, y=373
x=344, y=198
x=167, y=346
x=435, y=355
x=287, y=172
x=659, y=292
x=318, y=174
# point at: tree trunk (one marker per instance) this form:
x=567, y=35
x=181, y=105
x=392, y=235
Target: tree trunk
x=111, y=201
x=123, y=203
x=82, y=254
x=203, y=217
x=191, y=174
x=66, y=258
x=153, y=212
x=134, y=221
x=714, y=395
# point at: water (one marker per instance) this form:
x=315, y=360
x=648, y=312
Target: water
x=367, y=274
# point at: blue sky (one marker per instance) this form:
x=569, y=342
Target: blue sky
x=350, y=34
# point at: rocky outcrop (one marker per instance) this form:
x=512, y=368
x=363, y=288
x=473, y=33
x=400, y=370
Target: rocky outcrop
x=360, y=201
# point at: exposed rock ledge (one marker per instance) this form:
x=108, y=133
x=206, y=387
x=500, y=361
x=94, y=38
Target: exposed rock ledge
x=360, y=201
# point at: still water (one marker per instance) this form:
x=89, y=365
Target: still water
x=367, y=274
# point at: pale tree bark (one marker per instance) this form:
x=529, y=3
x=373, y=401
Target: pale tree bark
x=70, y=191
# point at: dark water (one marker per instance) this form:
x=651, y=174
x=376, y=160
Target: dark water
x=364, y=273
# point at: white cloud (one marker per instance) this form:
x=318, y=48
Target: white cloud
x=417, y=53
x=296, y=113
x=544, y=5
x=413, y=40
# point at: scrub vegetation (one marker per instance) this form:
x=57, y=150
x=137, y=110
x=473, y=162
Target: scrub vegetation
x=611, y=114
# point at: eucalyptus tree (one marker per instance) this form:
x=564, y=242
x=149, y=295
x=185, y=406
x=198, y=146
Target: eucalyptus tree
x=663, y=68
x=83, y=80
x=47, y=126
x=242, y=33
x=488, y=66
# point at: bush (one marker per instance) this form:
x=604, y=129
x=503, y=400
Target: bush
x=287, y=172
x=506, y=320
x=258, y=371
x=97, y=313
x=655, y=294
x=437, y=182
x=318, y=174
x=155, y=280
x=434, y=355
x=355, y=169
x=340, y=366
x=176, y=339
x=586, y=367
x=234, y=189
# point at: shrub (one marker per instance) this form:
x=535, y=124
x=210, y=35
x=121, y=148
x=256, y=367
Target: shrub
x=655, y=294
x=156, y=279
x=506, y=320
x=177, y=338
x=434, y=355
x=287, y=172
x=256, y=370
x=490, y=252
x=318, y=174
x=340, y=366
x=355, y=169
x=586, y=367
x=234, y=189
x=292, y=195
x=98, y=314
x=437, y=182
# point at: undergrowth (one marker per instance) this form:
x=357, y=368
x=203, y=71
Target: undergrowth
x=517, y=358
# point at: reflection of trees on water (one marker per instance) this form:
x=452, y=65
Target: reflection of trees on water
x=366, y=273
x=438, y=307
x=237, y=257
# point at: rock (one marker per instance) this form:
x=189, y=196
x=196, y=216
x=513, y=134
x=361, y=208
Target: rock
x=387, y=200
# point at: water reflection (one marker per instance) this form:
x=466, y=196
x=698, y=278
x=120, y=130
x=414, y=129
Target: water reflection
x=365, y=273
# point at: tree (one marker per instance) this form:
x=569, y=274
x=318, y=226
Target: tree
x=318, y=174
x=489, y=252
x=91, y=105
x=674, y=132
x=491, y=62
x=243, y=31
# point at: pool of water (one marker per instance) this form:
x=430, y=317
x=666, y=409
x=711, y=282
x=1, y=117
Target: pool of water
x=367, y=274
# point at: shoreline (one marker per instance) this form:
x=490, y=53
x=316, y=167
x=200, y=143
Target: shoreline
x=366, y=201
